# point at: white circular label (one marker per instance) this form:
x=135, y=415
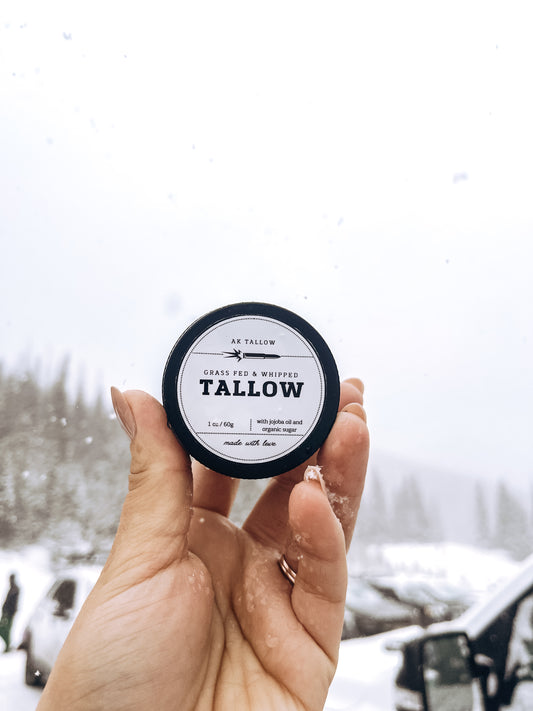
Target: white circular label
x=250, y=389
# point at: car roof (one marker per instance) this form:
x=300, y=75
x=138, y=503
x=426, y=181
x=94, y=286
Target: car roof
x=79, y=572
x=477, y=618
x=483, y=613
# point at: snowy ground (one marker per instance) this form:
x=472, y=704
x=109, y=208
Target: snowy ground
x=14, y=694
x=365, y=675
x=366, y=670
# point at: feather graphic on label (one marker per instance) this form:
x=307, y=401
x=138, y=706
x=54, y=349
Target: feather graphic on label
x=255, y=356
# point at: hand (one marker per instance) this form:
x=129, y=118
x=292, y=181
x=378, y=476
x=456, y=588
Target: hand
x=192, y=612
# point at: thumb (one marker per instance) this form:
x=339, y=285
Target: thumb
x=156, y=515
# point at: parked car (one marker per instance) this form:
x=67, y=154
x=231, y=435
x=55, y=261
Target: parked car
x=482, y=661
x=52, y=619
x=368, y=612
x=433, y=600
x=457, y=598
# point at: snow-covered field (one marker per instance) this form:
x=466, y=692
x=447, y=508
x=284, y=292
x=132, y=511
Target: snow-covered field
x=366, y=669
x=474, y=569
x=14, y=694
x=365, y=675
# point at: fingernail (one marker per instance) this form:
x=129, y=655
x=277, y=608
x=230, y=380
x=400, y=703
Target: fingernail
x=355, y=409
x=358, y=383
x=313, y=473
x=123, y=412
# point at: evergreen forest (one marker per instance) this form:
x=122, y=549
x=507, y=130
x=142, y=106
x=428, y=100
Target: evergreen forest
x=63, y=476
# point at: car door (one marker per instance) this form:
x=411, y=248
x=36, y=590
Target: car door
x=52, y=621
x=62, y=615
x=518, y=676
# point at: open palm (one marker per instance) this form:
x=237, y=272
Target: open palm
x=192, y=612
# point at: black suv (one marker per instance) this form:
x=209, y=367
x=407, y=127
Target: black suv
x=482, y=661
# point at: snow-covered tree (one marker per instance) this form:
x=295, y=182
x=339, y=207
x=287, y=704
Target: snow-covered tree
x=512, y=530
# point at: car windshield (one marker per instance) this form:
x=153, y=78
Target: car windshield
x=64, y=594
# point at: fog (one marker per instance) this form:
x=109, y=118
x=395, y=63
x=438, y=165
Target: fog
x=367, y=166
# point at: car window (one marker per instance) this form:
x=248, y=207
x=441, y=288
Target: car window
x=64, y=595
x=508, y=642
x=520, y=653
x=495, y=640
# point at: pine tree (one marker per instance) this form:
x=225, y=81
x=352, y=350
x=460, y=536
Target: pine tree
x=63, y=465
x=373, y=523
x=482, y=534
x=409, y=516
x=512, y=530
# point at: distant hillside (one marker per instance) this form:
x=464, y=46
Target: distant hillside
x=448, y=497
x=428, y=502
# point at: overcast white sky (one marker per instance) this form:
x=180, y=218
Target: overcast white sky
x=366, y=164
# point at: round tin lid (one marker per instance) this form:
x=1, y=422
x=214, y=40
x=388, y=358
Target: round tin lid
x=251, y=390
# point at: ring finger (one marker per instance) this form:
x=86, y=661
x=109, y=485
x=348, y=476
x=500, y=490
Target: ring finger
x=343, y=459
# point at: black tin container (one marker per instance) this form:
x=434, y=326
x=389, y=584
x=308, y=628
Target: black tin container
x=251, y=390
